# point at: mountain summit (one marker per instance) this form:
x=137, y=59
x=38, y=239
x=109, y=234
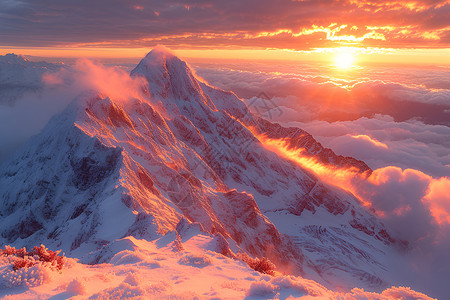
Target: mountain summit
x=187, y=155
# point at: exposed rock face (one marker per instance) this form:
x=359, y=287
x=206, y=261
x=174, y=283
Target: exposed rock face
x=108, y=168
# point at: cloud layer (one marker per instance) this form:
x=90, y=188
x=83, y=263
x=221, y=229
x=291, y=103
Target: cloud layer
x=413, y=205
x=396, y=122
x=302, y=24
x=381, y=142
x=324, y=94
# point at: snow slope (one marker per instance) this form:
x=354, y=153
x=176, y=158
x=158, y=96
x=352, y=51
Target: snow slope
x=111, y=169
x=139, y=269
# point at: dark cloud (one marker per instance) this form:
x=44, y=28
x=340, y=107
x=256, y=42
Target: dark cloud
x=223, y=23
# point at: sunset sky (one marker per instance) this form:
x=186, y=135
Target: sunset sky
x=368, y=80
x=376, y=31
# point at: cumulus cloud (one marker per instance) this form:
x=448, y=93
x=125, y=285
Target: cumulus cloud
x=428, y=256
x=407, y=200
x=438, y=197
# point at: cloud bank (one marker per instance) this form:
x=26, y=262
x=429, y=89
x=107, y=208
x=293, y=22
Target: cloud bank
x=319, y=94
x=397, y=123
x=411, y=144
x=386, y=118
x=414, y=206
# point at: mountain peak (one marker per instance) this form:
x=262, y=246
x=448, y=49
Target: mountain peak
x=14, y=58
x=160, y=52
x=171, y=80
x=158, y=57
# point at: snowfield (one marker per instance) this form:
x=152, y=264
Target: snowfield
x=140, y=269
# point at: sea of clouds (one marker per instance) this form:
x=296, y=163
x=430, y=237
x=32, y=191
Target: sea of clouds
x=396, y=119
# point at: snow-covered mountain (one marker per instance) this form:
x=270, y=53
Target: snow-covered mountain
x=19, y=75
x=185, y=152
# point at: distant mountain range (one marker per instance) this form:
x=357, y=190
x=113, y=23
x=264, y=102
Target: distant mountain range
x=18, y=76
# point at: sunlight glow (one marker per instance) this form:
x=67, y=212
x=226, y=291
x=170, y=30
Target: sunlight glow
x=344, y=58
x=344, y=178
x=362, y=56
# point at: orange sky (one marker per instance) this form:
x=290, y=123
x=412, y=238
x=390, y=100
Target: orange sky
x=412, y=31
x=361, y=56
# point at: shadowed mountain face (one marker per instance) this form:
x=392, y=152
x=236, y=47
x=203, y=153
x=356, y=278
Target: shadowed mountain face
x=109, y=168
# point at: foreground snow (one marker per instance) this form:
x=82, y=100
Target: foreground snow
x=164, y=269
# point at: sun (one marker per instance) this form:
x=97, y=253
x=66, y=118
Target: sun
x=344, y=59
